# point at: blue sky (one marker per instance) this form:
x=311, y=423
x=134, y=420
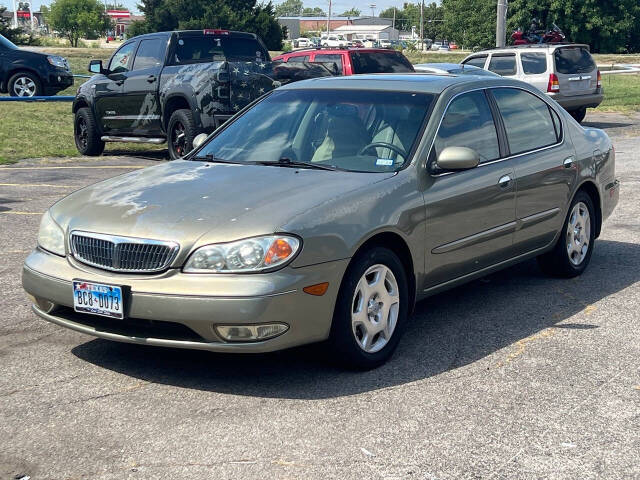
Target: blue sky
x=338, y=6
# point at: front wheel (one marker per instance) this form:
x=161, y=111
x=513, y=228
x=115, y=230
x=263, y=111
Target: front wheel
x=85, y=133
x=572, y=252
x=371, y=310
x=181, y=131
x=24, y=84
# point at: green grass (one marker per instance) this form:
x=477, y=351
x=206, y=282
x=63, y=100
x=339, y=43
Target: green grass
x=29, y=130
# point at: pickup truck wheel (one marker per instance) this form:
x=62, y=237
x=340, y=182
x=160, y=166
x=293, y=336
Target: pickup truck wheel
x=181, y=132
x=579, y=115
x=85, y=132
x=24, y=84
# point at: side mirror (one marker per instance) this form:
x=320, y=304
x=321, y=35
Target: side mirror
x=458, y=158
x=95, y=66
x=199, y=140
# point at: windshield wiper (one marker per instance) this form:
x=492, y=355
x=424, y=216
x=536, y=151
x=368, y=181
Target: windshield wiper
x=287, y=162
x=211, y=158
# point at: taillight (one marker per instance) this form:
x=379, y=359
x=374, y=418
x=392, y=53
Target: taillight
x=599, y=84
x=553, y=85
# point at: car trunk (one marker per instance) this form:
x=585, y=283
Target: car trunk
x=576, y=71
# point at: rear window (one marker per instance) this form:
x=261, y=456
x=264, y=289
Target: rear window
x=213, y=48
x=573, y=60
x=476, y=61
x=503, y=65
x=331, y=58
x=533, y=63
x=379, y=62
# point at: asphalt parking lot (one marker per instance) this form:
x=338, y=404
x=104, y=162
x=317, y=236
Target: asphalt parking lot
x=512, y=376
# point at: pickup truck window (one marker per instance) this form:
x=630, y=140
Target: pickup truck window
x=210, y=48
x=150, y=53
x=121, y=60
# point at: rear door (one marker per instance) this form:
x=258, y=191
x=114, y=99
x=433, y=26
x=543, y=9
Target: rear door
x=577, y=72
x=534, y=69
x=544, y=164
x=140, y=89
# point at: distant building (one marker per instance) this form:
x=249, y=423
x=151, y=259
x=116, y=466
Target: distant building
x=296, y=26
x=122, y=20
x=368, y=32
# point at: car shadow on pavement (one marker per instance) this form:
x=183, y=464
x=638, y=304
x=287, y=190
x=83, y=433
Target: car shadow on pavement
x=446, y=332
x=606, y=125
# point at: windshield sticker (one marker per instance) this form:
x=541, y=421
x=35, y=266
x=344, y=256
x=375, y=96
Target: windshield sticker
x=387, y=162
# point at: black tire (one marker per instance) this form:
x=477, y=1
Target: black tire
x=579, y=115
x=86, y=134
x=558, y=261
x=181, y=122
x=343, y=339
x=24, y=84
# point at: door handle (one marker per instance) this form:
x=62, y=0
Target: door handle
x=504, y=181
x=151, y=78
x=568, y=162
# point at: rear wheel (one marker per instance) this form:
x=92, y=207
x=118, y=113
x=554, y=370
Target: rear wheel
x=24, y=84
x=181, y=131
x=572, y=253
x=579, y=115
x=86, y=135
x=371, y=310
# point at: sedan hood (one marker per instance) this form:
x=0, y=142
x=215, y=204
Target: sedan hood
x=198, y=203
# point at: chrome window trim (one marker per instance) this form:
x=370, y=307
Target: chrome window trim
x=561, y=142
x=117, y=239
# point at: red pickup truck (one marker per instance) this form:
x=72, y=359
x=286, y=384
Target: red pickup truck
x=351, y=61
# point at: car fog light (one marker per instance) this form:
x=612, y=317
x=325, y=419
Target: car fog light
x=251, y=333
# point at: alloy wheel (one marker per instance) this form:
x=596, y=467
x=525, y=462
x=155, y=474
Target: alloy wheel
x=82, y=132
x=178, y=139
x=578, y=233
x=24, y=87
x=374, y=308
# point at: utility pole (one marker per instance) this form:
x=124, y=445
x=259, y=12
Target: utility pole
x=329, y=18
x=393, y=24
x=15, y=15
x=422, y=25
x=501, y=33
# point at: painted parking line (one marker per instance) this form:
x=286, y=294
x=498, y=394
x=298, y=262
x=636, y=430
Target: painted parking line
x=36, y=185
x=22, y=213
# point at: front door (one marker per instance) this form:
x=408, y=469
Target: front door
x=109, y=102
x=140, y=90
x=470, y=213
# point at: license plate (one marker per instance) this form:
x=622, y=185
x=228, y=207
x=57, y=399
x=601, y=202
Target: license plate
x=98, y=299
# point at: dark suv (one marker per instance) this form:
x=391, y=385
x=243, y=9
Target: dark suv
x=26, y=74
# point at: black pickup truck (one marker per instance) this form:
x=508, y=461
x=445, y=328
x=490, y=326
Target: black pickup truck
x=171, y=86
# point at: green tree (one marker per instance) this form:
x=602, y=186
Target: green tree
x=471, y=23
x=352, y=12
x=244, y=15
x=409, y=16
x=605, y=25
x=5, y=26
x=313, y=12
x=289, y=8
x=78, y=18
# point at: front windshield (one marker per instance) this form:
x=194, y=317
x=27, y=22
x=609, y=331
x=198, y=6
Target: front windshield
x=356, y=130
x=6, y=43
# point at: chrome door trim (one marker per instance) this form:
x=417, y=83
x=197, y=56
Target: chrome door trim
x=476, y=238
x=536, y=218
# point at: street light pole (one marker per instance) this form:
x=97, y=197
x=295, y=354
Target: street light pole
x=422, y=25
x=15, y=15
x=501, y=33
x=329, y=18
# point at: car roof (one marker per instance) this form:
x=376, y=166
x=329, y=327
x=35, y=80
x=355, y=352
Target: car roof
x=446, y=66
x=406, y=82
x=547, y=47
x=304, y=51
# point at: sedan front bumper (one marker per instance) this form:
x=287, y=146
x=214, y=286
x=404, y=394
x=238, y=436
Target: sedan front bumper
x=175, y=309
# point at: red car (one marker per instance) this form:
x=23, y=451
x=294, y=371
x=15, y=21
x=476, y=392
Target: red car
x=350, y=61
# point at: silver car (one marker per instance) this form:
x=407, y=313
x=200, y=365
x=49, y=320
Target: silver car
x=324, y=211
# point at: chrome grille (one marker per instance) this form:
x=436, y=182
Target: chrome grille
x=122, y=254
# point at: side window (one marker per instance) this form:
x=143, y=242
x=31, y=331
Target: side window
x=150, y=53
x=121, y=60
x=476, y=61
x=299, y=59
x=504, y=65
x=533, y=63
x=468, y=122
x=556, y=123
x=330, y=58
x=527, y=120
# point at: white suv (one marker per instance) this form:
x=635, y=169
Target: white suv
x=565, y=72
x=334, y=41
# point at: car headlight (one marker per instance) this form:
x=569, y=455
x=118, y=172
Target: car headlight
x=50, y=236
x=57, y=61
x=256, y=254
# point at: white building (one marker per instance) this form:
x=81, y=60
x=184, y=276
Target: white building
x=368, y=32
